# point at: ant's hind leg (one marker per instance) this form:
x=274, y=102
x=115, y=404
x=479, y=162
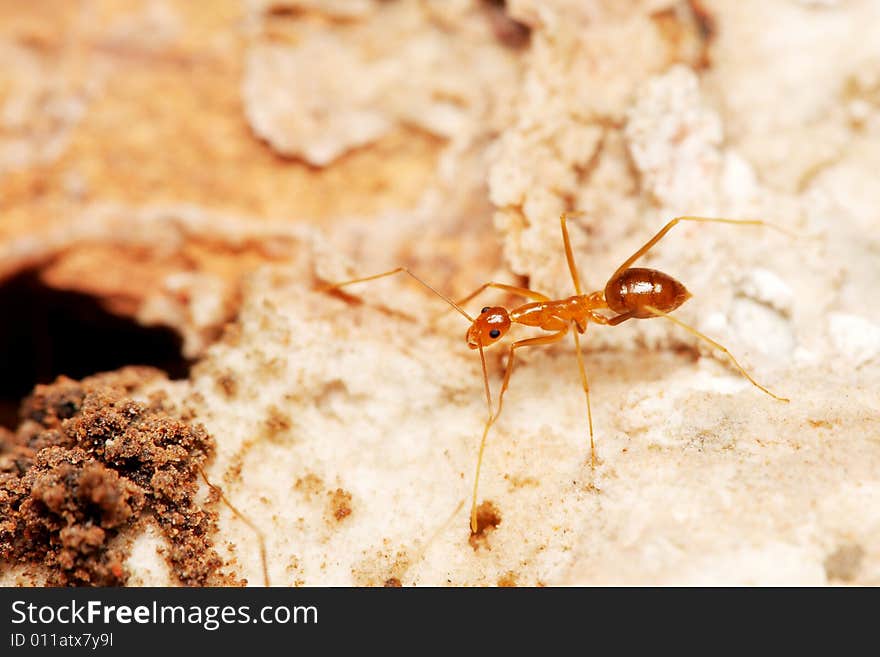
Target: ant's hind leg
x=715, y=344
x=706, y=220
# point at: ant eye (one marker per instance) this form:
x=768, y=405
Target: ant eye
x=494, y=333
x=484, y=310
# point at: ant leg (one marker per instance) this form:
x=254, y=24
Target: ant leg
x=651, y=242
x=423, y=549
x=512, y=289
x=529, y=342
x=712, y=342
x=586, y=385
x=572, y=267
x=397, y=270
x=238, y=514
x=620, y=319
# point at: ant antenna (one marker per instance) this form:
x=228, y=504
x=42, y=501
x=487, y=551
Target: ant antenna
x=398, y=270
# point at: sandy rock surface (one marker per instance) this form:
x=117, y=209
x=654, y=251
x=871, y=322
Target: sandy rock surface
x=209, y=166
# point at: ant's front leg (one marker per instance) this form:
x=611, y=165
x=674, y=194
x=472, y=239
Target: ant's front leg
x=528, y=342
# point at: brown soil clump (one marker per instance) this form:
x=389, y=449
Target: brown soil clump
x=88, y=462
x=488, y=518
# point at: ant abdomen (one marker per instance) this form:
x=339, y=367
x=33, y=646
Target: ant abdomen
x=633, y=291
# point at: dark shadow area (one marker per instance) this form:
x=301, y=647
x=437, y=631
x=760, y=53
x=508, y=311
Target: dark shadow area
x=46, y=332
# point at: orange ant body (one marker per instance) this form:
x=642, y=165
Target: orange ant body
x=631, y=293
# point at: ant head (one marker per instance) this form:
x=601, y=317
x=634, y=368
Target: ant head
x=490, y=326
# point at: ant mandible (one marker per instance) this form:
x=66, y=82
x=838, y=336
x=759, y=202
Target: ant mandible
x=631, y=293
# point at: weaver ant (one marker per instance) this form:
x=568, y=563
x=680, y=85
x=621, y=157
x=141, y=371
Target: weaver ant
x=631, y=293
